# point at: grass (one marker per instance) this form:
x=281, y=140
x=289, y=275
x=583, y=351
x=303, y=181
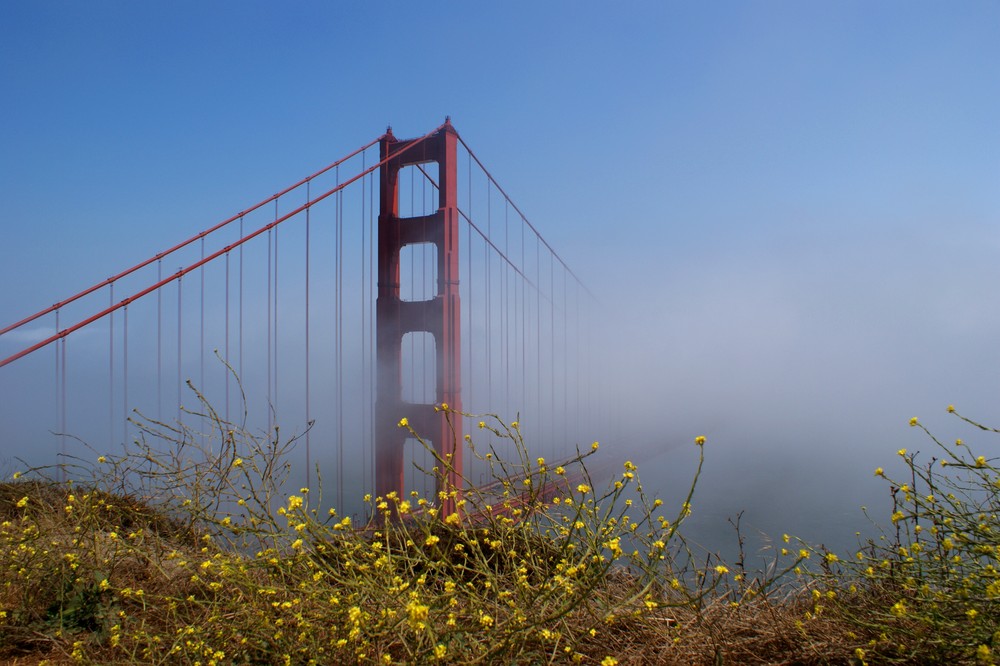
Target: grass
x=177, y=552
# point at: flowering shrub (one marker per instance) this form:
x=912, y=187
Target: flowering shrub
x=179, y=552
x=929, y=588
x=173, y=551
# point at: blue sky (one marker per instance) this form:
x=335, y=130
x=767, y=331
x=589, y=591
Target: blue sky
x=792, y=209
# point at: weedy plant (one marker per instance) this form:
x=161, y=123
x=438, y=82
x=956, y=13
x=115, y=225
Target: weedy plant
x=928, y=590
x=186, y=547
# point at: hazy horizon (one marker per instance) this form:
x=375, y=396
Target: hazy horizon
x=790, y=214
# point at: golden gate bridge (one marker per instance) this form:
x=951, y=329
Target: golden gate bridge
x=397, y=278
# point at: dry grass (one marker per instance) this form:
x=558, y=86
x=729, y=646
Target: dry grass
x=173, y=553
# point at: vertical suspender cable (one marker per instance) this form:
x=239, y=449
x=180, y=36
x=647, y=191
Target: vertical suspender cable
x=62, y=415
x=581, y=358
x=111, y=365
x=468, y=259
x=159, y=342
x=57, y=428
x=270, y=403
x=240, y=369
x=226, y=343
x=591, y=357
x=201, y=325
x=55, y=383
x=552, y=340
x=339, y=314
x=538, y=328
x=276, y=318
x=363, y=321
x=340, y=338
x=506, y=305
x=414, y=394
x=489, y=306
x=125, y=375
x=372, y=367
x=524, y=328
x=201, y=334
x=308, y=414
x=565, y=361
x=180, y=419
x=423, y=296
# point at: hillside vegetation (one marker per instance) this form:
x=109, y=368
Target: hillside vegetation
x=173, y=552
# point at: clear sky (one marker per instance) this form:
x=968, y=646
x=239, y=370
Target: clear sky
x=792, y=208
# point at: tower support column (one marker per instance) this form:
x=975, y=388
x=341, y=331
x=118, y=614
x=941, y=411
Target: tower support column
x=439, y=316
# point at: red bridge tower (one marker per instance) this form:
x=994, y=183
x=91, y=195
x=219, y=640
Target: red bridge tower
x=438, y=316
